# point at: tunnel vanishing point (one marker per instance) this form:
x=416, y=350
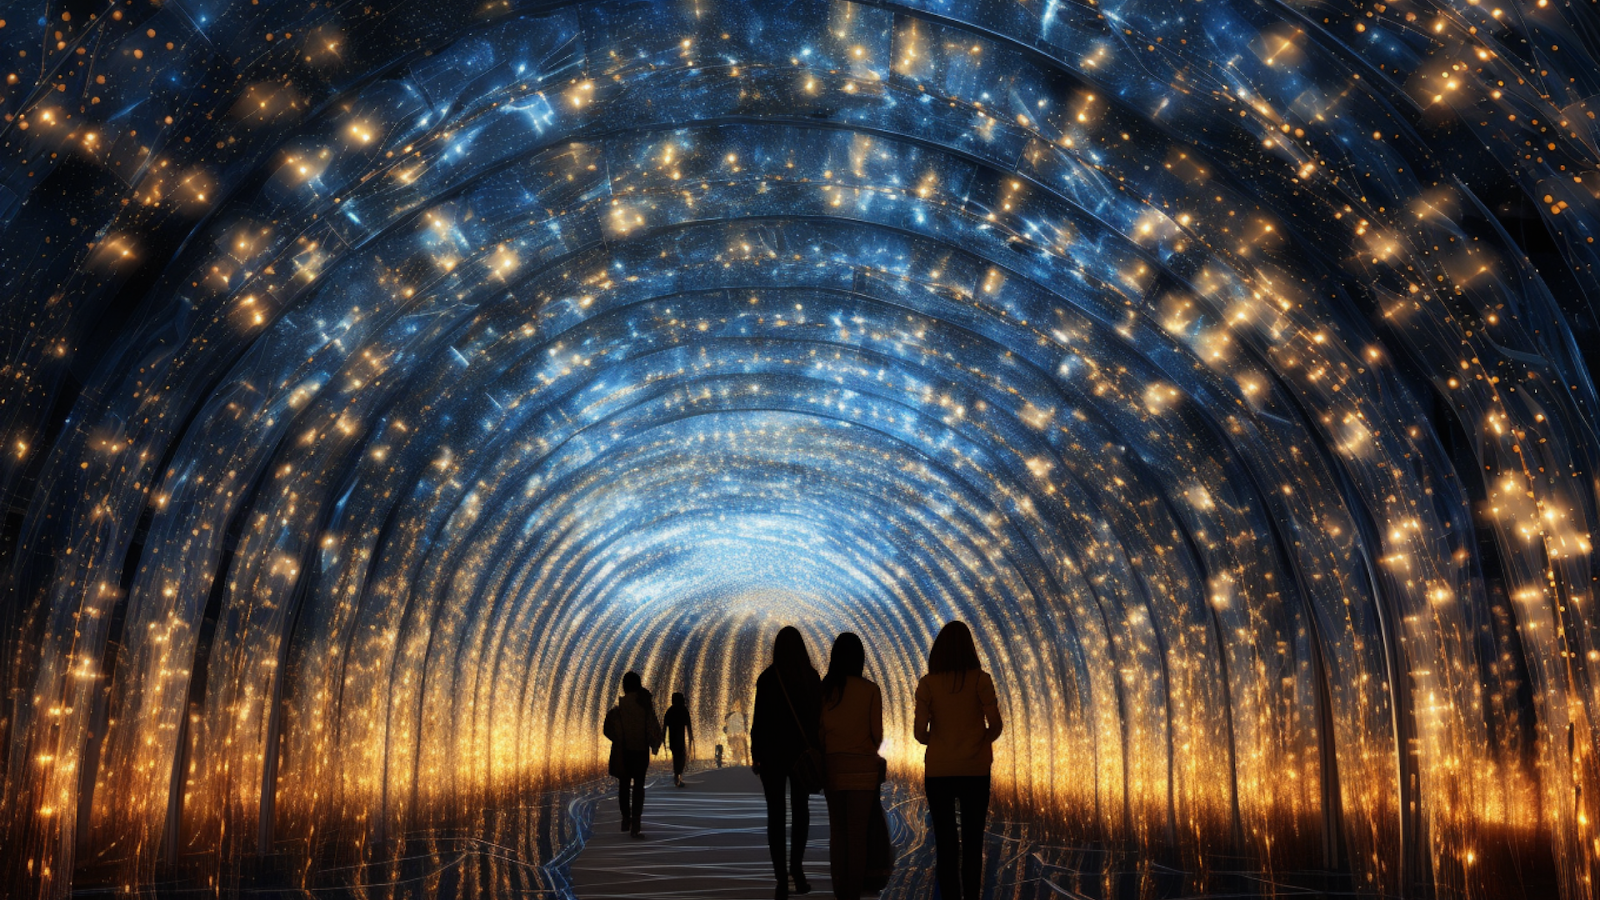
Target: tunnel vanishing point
x=381, y=379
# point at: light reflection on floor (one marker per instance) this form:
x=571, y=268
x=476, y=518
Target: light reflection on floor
x=707, y=842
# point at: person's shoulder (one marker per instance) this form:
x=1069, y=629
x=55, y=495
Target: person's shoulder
x=809, y=686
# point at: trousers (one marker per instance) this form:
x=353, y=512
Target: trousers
x=772, y=784
x=958, y=851
x=849, y=813
x=630, y=796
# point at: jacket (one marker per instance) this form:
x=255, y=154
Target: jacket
x=852, y=730
x=634, y=731
x=959, y=726
x=776, y=738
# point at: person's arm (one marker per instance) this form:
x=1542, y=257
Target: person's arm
x=875, y=716
x=991, y=707
x=756, y=722
x=921, y=722
x=610, y=727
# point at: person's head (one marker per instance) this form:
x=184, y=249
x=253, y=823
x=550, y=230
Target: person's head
x=953, y=650
x=678, y=698
x=848, y=658
x=789, y=651
x=631, y=682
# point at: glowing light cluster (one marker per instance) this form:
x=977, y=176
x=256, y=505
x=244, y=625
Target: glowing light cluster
x=381, y=380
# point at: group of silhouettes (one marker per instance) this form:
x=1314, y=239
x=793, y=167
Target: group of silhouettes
x=810, y=733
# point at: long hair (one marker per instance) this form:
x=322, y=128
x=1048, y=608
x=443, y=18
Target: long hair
x=789, y=654
x=849, y=658
x=953, y=651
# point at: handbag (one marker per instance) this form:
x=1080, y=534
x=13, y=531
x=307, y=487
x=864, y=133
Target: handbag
x=808, y=770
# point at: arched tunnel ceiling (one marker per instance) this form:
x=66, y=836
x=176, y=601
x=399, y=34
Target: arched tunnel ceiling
x=381, y=381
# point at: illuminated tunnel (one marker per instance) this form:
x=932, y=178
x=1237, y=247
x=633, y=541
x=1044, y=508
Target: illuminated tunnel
x=382, y=379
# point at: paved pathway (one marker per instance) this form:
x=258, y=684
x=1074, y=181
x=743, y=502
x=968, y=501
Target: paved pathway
x=707, y=841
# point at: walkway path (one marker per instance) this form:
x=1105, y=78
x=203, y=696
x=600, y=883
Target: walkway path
x=707, y=841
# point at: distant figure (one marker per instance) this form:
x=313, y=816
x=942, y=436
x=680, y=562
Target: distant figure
x=852, y=729
x=738, y=744
x=680, y=735
x=635, y=735
x=958, y=718
x=784, y=722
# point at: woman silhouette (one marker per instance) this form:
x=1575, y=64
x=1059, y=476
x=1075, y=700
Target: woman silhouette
x=783, y=724
x=958, y=718
x=852, y=729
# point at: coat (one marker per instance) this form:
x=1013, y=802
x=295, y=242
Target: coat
x=635, y=734
x=778, y=734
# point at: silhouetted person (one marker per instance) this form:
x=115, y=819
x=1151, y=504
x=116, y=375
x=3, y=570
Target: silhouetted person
x=852, y=729
x=783, y=723
x=635, y=734
x=680, y=735
x=738, y=741
x=958, y=718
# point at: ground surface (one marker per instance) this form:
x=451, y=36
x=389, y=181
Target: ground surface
x=707, y=841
